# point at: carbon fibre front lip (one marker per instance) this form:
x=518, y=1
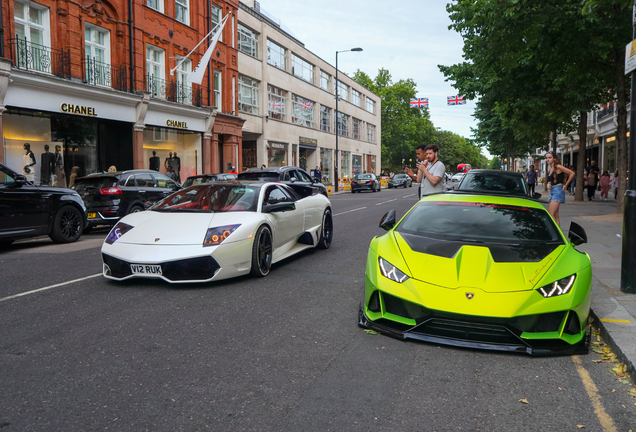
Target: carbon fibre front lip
x=532, y=348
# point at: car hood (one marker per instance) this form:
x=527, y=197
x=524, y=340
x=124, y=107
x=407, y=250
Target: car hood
x=158, y=228
x=492, y=268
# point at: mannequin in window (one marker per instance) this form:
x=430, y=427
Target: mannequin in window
x=60, y=175
x=176, y=167
x=168, y=161
x=47, y=168
x=28, y=162
x=154, y=161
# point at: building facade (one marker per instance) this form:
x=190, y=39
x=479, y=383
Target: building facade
x=95, y=83
x=287, y=95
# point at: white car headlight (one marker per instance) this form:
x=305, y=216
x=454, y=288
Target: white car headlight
x=391, y=272
x=557, y=288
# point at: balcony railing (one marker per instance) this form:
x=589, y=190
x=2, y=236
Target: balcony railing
x=605, y=112
x=97, y=73
x=40, y=58
x=173, y=91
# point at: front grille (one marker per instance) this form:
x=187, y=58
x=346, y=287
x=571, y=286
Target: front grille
x=200, y=268
x=468, y=331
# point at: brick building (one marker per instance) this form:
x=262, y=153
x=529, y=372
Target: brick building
x=68, y=82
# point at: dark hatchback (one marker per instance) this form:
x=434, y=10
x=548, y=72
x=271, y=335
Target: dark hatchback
x=110, y=196
x=400, y=180
x=288, y=175
x=27, y=210
x=367, y=181
x=207, y=178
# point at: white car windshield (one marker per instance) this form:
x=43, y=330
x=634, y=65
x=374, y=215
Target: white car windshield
x=211, y=198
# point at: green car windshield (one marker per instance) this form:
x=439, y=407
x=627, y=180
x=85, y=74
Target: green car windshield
x=480, y=223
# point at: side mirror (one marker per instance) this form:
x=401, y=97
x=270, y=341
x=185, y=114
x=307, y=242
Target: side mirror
x=536, y=195
x=20, y=180
x=278, y=207
x=315, y=179
x=388, y=220
x=577, y=234
x=293, y=179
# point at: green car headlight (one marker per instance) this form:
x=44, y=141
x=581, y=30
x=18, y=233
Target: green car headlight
x=390, y=271
x=560, y=287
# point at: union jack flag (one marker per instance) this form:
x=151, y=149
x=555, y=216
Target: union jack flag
x=276, y=105
x=455, y=100
x=419, y=102
x=306, y=105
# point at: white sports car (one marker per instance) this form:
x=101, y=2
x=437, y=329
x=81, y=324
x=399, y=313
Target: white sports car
x=218, y=230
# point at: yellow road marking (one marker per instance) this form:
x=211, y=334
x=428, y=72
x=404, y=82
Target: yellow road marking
x=592, y=391
x=616, y=320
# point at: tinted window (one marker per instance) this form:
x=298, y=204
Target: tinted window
x=399, y=176
x=6, y=177
x=276, y=195
x=211, y=197
x=493, y=182
x=144, y=180
x=364, y=177
x=303, y=176
x=480, y=222
x=255, y=175
x=163, y=181
x=94, y=183
x=286, y=176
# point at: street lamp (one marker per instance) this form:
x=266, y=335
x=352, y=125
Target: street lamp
x=336, y=123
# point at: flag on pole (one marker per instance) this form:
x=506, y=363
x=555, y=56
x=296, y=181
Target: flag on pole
x=419, y=102
x=455, y=100
x=197, y=74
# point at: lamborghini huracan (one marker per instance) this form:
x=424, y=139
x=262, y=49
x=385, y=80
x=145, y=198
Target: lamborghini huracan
x=479, y=271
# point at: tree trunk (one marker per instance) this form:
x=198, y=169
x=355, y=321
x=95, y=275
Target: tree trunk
x=621, y=128
x=553, y=138
x=581, y=161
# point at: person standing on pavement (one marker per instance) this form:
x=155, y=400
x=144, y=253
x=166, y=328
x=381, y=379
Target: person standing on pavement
x=594, y=171
x=233, y=170
x=572, y=186
x=605, y=184
x=430, y=170
x=615, y=184
x=591, y=184
x=556, y=183
x=531, y=178
x=318, y=174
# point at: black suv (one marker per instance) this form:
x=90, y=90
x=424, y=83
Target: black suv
x=110, y=196
x=207, y=178
x=288, y=175
x=30, y=211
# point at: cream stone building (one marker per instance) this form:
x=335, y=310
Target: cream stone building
x=287, y=95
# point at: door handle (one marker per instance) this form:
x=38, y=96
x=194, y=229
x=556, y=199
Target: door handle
x=142, y=191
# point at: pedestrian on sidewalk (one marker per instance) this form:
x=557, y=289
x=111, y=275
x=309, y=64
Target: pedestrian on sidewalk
x=531, y=178
x=591, y=184
x=605, y=184
x=557, y=184
x=572, y=186
x=594, y=171
x=615, y=184
x=430, y=170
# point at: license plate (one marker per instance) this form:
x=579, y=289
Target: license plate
x=91, y=215
x=146, y=269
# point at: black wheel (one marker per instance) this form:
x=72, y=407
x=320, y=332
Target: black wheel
x=67, y=225
x=326, y=231
x=262, y=252
x=411, y=185
x=136, y=209
x=405, y=185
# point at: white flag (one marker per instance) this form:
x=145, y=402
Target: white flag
x=197, y=74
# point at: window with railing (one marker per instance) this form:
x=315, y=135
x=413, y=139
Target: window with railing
x=343, y=91
x=276, y=99
x=302, y=69
x=97, y=55
x=343, y=124
x=218, y=101
x=247, y=40
x=184, y=91
x=276, y=55
x=325, y=81
x=181, y=11
x=249, y=94
x=325, y=118
x=33, y=37
x=371, y=133
x=370, y=105
x=302, y=111
x=356, y=129
x=156, y=71
x=355, y=97
x=155, y=4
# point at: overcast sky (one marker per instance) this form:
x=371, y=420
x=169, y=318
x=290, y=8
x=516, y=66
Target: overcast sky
x=409, y=38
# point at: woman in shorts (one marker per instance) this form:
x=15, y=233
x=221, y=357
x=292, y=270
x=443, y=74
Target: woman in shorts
x=557, y=183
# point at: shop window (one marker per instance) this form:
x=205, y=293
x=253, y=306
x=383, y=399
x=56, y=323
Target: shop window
x=247, y=40
x=182, y=13
x=249, y=94
x=302, y=111
x=155, y=68
x=276, y=99
x=302, y=69
x=325, y=118
x=97, y=55
x=33, y=34
x=179, y=149
x=345, y=164
x=356, y=165
x=276, y=155
x=276, y=55
x=325, y=164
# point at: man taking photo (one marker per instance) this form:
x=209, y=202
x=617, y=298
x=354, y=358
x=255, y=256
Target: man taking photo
x=430, y=170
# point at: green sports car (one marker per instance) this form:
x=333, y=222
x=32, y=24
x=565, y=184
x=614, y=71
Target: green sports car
x=479, y=271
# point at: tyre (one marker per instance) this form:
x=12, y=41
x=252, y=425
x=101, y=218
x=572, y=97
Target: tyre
x=262, y=251
x=411, y=185
x=135, y=209
x=405, y=185
x=326, y=231
x=67, y=225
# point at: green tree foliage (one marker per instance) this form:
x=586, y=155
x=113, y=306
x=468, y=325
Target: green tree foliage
x=495, y=163
x=405, y=128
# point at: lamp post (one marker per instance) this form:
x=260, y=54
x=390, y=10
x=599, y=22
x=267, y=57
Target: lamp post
x=336, y=123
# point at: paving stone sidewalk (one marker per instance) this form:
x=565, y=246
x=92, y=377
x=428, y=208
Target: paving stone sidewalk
x=614, y=311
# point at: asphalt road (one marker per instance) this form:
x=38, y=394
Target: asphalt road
x=283, y=353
